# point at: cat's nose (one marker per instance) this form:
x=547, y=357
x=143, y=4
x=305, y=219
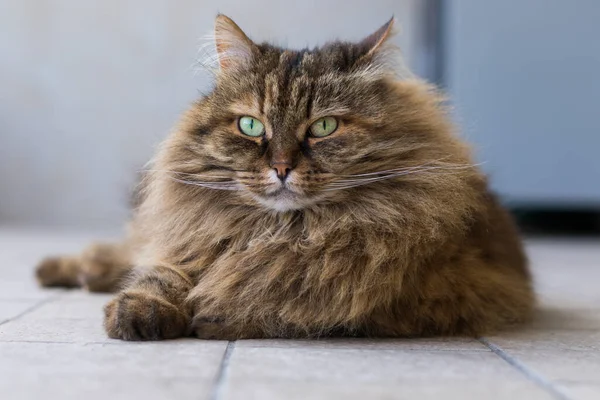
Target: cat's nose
x=284, y=157
x=282, y=168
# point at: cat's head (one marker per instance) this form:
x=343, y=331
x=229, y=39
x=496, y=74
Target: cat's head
x=285, y=129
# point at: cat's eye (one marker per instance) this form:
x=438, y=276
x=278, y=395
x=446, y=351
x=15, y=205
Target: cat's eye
x=250, y=126
x=323, y=127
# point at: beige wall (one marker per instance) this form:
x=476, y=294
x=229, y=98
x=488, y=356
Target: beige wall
x=89, y=87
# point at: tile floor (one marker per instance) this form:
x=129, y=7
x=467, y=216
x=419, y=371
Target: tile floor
x=52, y=346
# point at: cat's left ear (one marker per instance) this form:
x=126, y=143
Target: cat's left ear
x=375, y=41
x=234, y=48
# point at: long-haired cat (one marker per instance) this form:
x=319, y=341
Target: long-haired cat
x=311, y=193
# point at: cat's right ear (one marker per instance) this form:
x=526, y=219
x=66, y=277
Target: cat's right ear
x=377, y=39
x=234, y=48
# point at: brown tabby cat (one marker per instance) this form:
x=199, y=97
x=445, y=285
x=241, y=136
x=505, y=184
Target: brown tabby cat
x=311, y=193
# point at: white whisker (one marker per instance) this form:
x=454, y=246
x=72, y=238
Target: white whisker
x=360, y=181
x=189, y=174
x=442, y=166
x=397, y=169
x=217, y=186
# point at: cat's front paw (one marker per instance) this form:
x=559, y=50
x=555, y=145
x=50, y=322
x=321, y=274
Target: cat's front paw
x=57, y=271
x=133, y=315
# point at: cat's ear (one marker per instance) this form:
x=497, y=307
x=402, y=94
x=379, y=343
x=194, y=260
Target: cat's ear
x=234, y=48
x=375, y=41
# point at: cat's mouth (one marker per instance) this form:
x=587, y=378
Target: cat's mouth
x=284, y=195
x=283, y=199
x=282, y=192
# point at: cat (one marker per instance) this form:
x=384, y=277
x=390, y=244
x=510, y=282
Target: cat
x=311, y=193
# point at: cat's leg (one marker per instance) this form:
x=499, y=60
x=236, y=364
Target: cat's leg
x=151, y=307
x=99, y=268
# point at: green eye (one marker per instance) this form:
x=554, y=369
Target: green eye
x=251, y=126
x=323, y=127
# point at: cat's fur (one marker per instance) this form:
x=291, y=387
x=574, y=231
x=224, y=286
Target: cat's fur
x=388, y=230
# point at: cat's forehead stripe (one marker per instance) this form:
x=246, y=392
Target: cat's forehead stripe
x=287, y=101
x=271, y=92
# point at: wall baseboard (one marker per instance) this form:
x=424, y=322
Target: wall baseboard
x=558, y=221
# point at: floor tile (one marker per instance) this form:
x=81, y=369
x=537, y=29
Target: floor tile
x=488, y=390
x=176, y=369
x=70, y=318
x=116, y=387
x=552, y=340
x=580, y=391
x=332, y=372
x=566, y=272
x=60, y=330
x=12, y=308
x=562, y=365
x=74, y=305
x=24, y=288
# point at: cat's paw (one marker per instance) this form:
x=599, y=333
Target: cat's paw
x=133, y=315
x=100, y=270
x=56, y=272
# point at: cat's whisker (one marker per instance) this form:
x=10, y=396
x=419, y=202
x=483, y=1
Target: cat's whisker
x=379, y=176
x=403, y=168
x=237, y=171
x=365, y=181
x=207, y=185
x=189, y=174
x=391, y=171
x=346, y=184
x=379, y=173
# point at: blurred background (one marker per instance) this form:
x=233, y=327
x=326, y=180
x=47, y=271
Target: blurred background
x=88, y=88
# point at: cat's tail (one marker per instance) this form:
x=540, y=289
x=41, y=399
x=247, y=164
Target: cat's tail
x=101, y=267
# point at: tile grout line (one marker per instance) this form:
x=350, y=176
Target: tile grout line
x=32, y=308
x=530, y=374
x=219, y=384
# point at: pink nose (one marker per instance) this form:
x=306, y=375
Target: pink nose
x=282, y=168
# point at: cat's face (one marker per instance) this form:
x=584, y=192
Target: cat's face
x=289, y=129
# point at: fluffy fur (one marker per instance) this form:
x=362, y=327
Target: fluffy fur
x=384, y=228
